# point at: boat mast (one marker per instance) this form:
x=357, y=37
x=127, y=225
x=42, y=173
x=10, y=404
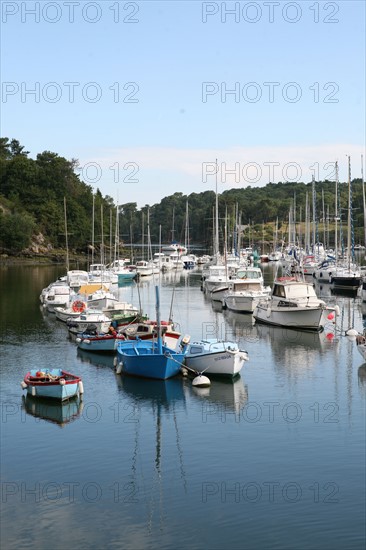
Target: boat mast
x=294, y=221
x=142, y=238
x=93, y=230
x=336, y=215
x=217, y=218
x=349, y=215
x=66, y=238
x=116, y=236
x=173, y=230
x=324, y=226
x=314, y=212
x=110, y=236
x=102, y=236
x=364, y=201
x=186, y=235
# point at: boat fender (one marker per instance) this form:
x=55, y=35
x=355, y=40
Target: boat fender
x=119, y=368
x=184, y=371
x=34, y=391
x=268, y=311
x=62, y=381
x=23, y=385
x=115, y=362
x=81, y=387
x=337, y=311
x=78, y=340
x=86, y=341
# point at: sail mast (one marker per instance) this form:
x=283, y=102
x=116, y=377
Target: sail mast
x=93, y=230
x=66, y=237
x=336, y=214
x=314, y=212
x=349, y=215
x=364, y=201
x=217, y=218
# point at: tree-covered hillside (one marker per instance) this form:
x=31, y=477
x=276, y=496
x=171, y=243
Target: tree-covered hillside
x=32, y=195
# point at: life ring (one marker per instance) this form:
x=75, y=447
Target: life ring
x=78, y=306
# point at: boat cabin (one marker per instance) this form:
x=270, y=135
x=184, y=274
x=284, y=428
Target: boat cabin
x=245, y=286
x=295, y=289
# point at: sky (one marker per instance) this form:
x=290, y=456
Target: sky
x=148, y=94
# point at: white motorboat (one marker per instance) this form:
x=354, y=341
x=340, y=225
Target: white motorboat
x=89, y=317
x=214, y=357
x=162, y=262
x=244, y=294
x=101, y=299
x=217, y=276
x=144, y=268
x=58, y=295
x=76, y=278
x=294, y=304
x=247, y=280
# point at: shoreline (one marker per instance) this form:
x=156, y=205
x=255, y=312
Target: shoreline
x=52, y=259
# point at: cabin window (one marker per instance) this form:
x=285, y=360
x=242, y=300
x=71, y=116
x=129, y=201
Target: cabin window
x=195, y=349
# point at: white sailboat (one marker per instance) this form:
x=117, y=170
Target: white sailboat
x=347, y=276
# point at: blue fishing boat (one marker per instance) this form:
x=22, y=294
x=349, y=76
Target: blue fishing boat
x=54, y=384
x=149, y=359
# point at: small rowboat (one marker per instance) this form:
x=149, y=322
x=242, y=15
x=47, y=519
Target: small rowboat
x=55, y=384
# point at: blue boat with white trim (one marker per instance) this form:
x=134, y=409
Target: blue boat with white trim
x=54, y=384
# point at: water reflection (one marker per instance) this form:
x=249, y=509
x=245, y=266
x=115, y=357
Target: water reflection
x=98, y=360
x=294, y=350
x=225, y=394
x=52, y=411
x=362, y=376
x=158, y=392
x=242, y=326
x=159, y=450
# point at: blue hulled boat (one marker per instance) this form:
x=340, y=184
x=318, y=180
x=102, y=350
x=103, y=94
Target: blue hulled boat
x=149, y=359
x=54, y=384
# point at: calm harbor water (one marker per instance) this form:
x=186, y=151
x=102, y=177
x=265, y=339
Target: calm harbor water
x=272, y=460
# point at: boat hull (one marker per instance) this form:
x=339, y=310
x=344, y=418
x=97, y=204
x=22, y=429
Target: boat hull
x=346, y=283
x=243, y=304
x=106, y=343
x=124, y=277
x=65, y=387
x=312, y=318
x=215, y=357
x=217, y=364
x=142, y=359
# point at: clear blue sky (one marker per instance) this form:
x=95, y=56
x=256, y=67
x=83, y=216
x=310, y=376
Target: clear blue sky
x=167, y=123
